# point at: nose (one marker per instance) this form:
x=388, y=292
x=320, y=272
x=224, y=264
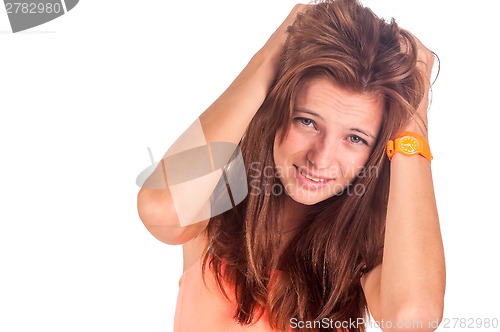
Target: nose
x=324, y=154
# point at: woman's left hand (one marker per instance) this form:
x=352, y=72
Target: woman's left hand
x=425, y=62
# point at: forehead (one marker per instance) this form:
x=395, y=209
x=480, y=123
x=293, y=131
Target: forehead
x=324, y=97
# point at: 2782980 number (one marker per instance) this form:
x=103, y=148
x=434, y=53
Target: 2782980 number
x=469, y=323
x=32, y=8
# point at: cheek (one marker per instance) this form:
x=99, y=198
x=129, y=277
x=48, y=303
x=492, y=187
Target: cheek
x=355, y=164
x=290, y=146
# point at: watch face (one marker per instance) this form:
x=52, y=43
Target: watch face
x=409, y=144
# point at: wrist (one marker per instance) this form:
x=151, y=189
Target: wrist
x=271, y=54
x=264, y=67
x=409, y=144
x=419, y=128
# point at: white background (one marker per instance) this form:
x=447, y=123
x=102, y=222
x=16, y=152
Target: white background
x=83, y=96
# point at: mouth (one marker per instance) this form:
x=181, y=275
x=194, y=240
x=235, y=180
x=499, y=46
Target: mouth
x=307, y=176
x=312, y=177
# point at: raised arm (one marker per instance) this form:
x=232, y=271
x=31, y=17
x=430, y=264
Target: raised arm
x=172, y=213
x=408, y=287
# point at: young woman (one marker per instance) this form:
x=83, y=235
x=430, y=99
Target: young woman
x=339, y=215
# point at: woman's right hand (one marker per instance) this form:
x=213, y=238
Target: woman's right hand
x=273, y=48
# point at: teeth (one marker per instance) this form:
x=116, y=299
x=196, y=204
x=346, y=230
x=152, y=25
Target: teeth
x=311, y=178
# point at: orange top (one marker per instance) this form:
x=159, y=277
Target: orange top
x=203, y=307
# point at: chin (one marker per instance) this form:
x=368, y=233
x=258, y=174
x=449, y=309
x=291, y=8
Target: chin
x=307, y=199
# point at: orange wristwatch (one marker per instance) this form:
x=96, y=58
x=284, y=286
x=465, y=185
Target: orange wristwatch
x=409, y=144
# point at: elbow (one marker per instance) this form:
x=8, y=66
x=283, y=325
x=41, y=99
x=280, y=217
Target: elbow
x=157, y=212
x=156, y=216
x=151, y=207
x=422, y=317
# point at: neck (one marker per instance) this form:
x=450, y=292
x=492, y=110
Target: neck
x=294, y=214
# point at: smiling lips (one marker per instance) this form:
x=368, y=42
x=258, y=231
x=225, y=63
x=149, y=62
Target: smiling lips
x=311, y=177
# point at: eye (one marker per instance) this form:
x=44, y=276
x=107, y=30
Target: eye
x=306, y=122
x=355, y=139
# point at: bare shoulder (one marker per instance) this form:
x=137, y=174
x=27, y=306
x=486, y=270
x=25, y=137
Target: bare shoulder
x=193, y=249
x=370, y=283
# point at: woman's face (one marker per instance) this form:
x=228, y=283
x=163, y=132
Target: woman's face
x=332, y=134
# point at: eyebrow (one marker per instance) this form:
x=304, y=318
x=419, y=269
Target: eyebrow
x=303, y=110
x=363, y=132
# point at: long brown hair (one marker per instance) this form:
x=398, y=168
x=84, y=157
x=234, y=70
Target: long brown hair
x=342, y=237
